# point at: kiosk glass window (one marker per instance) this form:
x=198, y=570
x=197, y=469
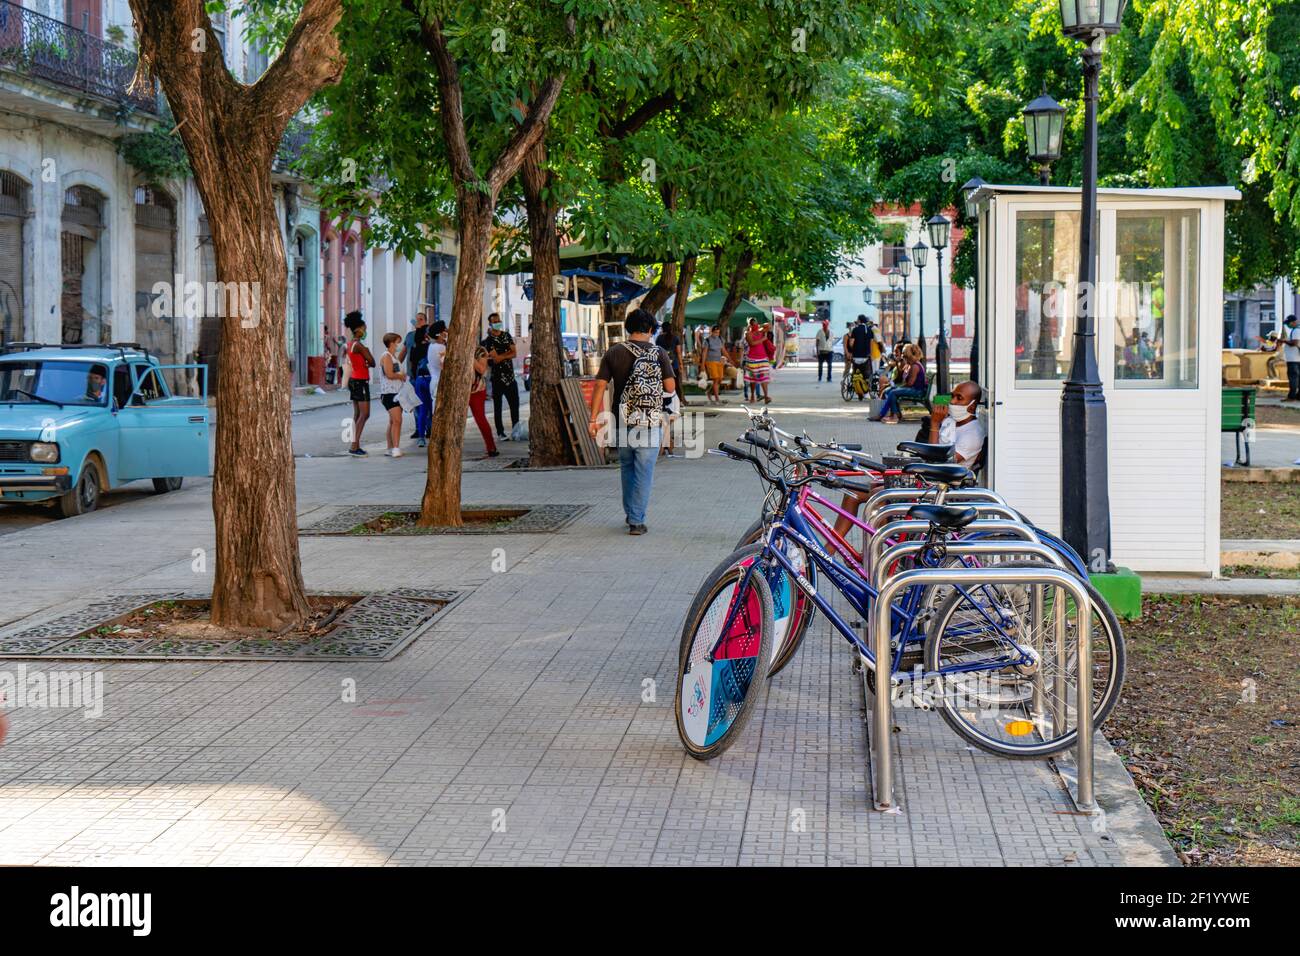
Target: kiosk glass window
x=1047, y=266
x=1157, y=305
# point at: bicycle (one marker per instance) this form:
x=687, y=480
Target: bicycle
x=989, y=682
x=856, y=382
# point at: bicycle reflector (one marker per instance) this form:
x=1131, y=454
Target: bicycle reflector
x=1019, y=728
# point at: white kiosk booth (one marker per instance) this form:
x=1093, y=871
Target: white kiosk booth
x=1160, y=289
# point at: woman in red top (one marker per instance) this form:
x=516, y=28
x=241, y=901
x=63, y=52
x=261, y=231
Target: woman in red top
x=758, y=359
x=360, y=362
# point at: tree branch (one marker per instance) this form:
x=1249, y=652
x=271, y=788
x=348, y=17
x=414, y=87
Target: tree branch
x=527, y=135
x=644, y=113
x=311, y=58
x=452, y=113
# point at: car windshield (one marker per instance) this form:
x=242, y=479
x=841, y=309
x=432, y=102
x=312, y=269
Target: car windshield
x=33, y=382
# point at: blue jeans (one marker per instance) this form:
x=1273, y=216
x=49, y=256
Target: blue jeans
x=892, y=398
x=637, y=470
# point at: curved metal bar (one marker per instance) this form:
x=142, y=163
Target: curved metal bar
x=879, y=634
x=880, y=540
x=894, y=512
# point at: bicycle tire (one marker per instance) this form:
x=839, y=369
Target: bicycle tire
x=720, y=695
x=1103, y=702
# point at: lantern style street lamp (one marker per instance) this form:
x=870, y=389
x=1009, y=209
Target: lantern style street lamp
x=1044, y=123
x=940, y=228
x=895, y=280
x=1085, y=497
x=969, y=190
x=920, y=255
x=904, y=266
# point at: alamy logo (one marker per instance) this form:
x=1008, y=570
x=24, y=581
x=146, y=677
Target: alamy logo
x=38, y=690
x=74, y=909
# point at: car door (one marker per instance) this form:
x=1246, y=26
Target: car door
x=176, y=426
x=134, y=438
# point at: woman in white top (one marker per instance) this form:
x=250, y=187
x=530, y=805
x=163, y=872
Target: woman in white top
x=437, y=354
x=390, y=383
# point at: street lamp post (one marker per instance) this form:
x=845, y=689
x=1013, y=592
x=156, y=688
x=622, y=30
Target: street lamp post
x=973, y=213
x=1044, y=124
x=939, y=228
x=1044, y=121
x=894, y=280
x=1085, y=496
x=904, y=266
x=920, y=254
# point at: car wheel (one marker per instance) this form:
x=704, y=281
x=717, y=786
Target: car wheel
x=163, y=485
x=84, y=497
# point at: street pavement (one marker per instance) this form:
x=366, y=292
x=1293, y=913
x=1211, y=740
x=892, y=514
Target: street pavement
x=532, y=724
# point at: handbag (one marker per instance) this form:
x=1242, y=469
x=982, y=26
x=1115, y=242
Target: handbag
x=407, y=398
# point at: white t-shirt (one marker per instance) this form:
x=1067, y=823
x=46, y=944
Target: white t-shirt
x=969, y=437
x=437, y=352
x=389, y=386
x=1291, y=351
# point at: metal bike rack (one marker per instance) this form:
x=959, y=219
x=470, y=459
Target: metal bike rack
x=896, y=512
x=878, y=543
x=893, y=496
x=879, y=638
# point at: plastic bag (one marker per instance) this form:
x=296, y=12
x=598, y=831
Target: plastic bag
x=519, y=432
x=407, y=398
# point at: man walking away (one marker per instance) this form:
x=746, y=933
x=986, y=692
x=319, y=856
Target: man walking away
x=501, y=350
x=825, y=351
x=642, y=376
x=1291, y=354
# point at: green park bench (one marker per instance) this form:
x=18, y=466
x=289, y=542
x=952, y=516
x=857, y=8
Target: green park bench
x=1239, y=415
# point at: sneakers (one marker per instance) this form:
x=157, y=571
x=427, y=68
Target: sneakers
x=423, y=443
x=357, y=452
x=394, y=453
x=637, y=529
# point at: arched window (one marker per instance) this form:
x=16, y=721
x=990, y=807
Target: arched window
x=84, y=253
x=15, y=209
x=155, y=262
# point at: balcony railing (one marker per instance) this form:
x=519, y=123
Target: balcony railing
x=47, y=49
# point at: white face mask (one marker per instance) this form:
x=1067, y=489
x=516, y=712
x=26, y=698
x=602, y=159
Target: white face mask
x=959, y=412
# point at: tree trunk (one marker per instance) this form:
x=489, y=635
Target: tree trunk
x=659, y=292
x=734, y=290
x=546, y=432
x=687, y=274
x=231, y=134
x=441, y=503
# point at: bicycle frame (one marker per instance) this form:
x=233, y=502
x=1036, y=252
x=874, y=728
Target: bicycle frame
x=858, y=592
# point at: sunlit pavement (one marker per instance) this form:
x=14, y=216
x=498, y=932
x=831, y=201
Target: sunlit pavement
x=533, y=724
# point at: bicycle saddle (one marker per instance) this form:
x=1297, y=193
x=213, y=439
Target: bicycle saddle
x=935, y=454
x=944, y=517
x=941, y=474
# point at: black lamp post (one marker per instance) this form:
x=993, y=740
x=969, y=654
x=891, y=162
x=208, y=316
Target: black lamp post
x=904, y=266
x=1085, y=495
x=940, y=228
x=973, y=213
x=920, y=255
x=1044, y=123
x=895, y=279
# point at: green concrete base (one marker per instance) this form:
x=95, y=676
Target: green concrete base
x=1122, y=591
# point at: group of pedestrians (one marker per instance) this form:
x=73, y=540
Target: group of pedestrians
x=418, y=360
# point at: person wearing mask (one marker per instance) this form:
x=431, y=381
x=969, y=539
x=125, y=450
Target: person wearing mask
x=478, y=400
x=642, y=377
x=500, y=348
x=715, y=362
x=1291, y=355
x=436, y=354
x=423, y=414
x=912, y=385
x=758, y=361
x=825, y=351
x=962, y=428
x=391, y=378
x=360, y=362
x=670, y=343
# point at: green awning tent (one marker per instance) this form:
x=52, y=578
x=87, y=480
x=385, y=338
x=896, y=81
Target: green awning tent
x=578, y=256
x=705, y=309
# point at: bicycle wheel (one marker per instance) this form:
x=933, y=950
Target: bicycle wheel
x=846, y=389
x=715, y=692
x=1023, y=711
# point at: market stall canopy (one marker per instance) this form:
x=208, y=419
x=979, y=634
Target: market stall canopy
x=708, y=307
x=596, y=288
x=578, y=256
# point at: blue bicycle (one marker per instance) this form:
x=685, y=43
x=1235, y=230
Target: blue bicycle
x=995, y=665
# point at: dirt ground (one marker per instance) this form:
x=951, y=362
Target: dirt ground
x=1260, y=509
x=1209, y=725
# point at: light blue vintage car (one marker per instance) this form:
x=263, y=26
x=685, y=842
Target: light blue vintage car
x=76, y=421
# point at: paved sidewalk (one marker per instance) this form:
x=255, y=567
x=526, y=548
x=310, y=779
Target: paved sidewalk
x=531, y=725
